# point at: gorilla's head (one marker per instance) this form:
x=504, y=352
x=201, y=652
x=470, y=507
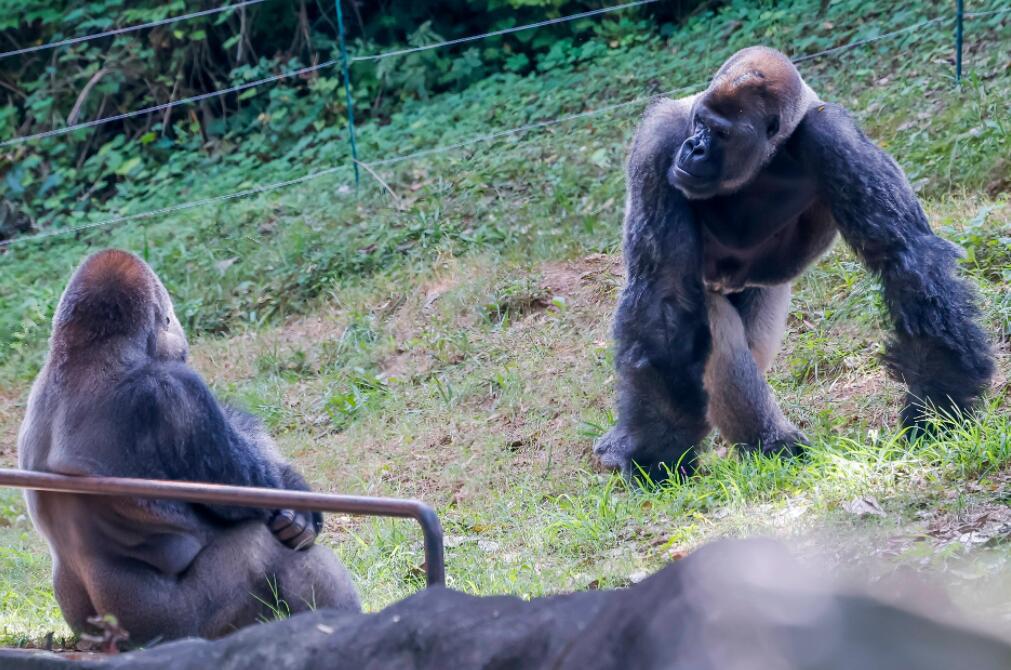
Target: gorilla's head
x=116, y=301
x=752, y=106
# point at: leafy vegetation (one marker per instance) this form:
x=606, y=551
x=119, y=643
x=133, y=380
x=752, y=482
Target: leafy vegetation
x=443, y=333
x=59, y=180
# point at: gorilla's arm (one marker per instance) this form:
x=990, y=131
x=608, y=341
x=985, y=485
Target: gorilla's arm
x=294, y=528
x=938, y=348
x=660, y=327
x=180, y=432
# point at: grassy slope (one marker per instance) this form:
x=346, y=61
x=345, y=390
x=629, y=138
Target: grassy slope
x=453, y=344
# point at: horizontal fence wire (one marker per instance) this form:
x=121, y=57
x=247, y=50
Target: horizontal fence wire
x=504, y=31
x=287, y=75
x=167, y=105
x=175, y=208
x=992, y=12
x=128, y=29
x=428, y=152
x=330, y=170
x=524, y=129
x=869, y=40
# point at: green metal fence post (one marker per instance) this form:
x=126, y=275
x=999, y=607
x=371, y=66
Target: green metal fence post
x=959, y=14
x=347, y=91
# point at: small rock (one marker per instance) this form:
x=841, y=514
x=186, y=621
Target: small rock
x=452, y=541
x=222, y=266
x=864, y=507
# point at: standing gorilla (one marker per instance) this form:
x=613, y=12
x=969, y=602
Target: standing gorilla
x=732, y=193
x=117, y=398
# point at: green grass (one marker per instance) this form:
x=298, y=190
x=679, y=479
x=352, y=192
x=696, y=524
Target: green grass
x=453, y=344
x=29, y=610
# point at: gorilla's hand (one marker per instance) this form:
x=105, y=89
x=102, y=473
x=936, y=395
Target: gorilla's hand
x=614, y=450
x=785, y=443
x=297, y=530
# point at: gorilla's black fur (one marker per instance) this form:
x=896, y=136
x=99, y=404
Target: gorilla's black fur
x=732, y=194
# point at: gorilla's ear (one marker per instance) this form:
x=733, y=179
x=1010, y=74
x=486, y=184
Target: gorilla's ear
x=110, y=294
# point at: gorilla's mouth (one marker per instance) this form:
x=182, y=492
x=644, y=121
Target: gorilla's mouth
x=690, y=177
x=692, y=184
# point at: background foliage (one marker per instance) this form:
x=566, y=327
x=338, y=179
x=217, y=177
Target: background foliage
x=57, y=181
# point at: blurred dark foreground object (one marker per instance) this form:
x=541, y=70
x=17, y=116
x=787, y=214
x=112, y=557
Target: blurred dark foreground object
x=732, y=605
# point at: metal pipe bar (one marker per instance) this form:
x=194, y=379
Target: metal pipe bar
x=247, y=496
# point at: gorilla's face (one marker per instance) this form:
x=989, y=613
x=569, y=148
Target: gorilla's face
x=170, y=339
x=724, y=152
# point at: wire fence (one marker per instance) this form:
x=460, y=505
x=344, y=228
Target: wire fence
x=238, y=88
x=128, y=29
x=478, y=139
x=504, y=31
x=301, y=72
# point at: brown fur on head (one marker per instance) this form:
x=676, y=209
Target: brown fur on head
x=760, y=78
x=114, y=297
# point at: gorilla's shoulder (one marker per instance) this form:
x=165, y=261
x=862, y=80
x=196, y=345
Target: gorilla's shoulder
x=161, y=383
x=668, y=113
x=826, y=122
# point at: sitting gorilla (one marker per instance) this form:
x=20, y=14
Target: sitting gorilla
x=732, y=194
x=116, y=398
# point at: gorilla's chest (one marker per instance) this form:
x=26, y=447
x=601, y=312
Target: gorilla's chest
x=766, y=233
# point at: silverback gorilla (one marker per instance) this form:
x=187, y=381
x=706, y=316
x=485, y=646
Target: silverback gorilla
x=732, y=194
x=117, y=398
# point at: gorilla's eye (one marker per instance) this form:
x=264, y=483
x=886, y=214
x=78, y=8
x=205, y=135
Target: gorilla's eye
x=773, y=126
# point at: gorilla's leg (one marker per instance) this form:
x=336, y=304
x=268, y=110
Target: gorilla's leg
x=72, y=596
x=745, y=341
x=314, y=579
x=764, y=312
x=238, y=579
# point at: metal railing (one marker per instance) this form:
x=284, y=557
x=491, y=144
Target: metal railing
x=246, y=496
